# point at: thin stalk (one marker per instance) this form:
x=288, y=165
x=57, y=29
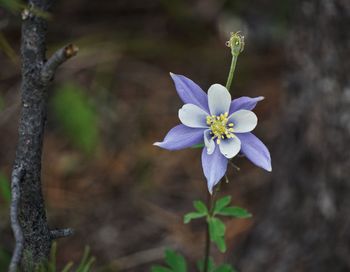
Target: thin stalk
x=232, y=71
x=236, y=43
x=210, y=203
x=207, y=250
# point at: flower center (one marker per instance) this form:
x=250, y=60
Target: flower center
x=220, y=128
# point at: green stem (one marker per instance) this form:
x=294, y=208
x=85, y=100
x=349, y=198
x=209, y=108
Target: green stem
x=207, y=250
x=232, y=71
x=236, y=43
x=210, y=203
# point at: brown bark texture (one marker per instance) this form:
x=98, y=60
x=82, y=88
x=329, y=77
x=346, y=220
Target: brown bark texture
x=305, y=226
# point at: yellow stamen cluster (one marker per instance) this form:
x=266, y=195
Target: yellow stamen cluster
x=219, y=126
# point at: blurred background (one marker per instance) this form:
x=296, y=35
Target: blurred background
x=126, y=198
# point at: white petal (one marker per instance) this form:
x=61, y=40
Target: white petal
x=193, y=116
x=243, y=121
x=230, y=147
x=209, y=142
x=219, y=99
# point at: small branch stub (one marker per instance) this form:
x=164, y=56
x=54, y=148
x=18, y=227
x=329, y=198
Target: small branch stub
x=61, y=233
x=25, y=14
x=71, y=50
x=59, y=57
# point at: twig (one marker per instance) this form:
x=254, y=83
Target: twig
x=56, y=60
x=17, y=176
x=61, y=233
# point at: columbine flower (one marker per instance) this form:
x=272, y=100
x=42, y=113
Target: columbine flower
x=224, y=126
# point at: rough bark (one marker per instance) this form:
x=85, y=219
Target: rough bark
x=305, y=226
x=36, y=76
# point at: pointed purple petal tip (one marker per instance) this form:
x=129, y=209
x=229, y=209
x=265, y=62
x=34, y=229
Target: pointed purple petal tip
x=210, y=189
x=269, y=169
x=214, y=167
x=190, y=92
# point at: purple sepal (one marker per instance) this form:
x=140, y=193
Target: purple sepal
x=180, y=137
x=244, y=103
x=255, y=150
x=214, y=167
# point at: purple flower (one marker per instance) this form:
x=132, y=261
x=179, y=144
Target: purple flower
x=224, y=126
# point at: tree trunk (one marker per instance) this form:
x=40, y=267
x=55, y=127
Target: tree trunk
x=28, y=217
x=37, y=242
x=305, y=226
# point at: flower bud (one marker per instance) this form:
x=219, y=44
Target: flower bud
x=236, y=43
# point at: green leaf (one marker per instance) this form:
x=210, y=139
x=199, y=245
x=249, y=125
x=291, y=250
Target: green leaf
x=76, y=117
x=221, y=203
x=217, y=232
x=225, y=268
x=211, y=265
x=200, y=206
x=192, y=215
x=52, y=260
x=68, y=267
x=216, y=228
x=86, y=261
x=5, y=188
x=158, y=268
x=237, y=212
x=88, y=265
x=197, y=146
x=220, y=243
x=175, y=261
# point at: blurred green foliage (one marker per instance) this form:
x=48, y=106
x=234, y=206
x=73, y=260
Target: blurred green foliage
x=12, y=5
x=213, y=268
x=5, y=189
x=5, y=258
x=175, y=261
x=5, y=197
x=76, y=117
x=84, y=266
